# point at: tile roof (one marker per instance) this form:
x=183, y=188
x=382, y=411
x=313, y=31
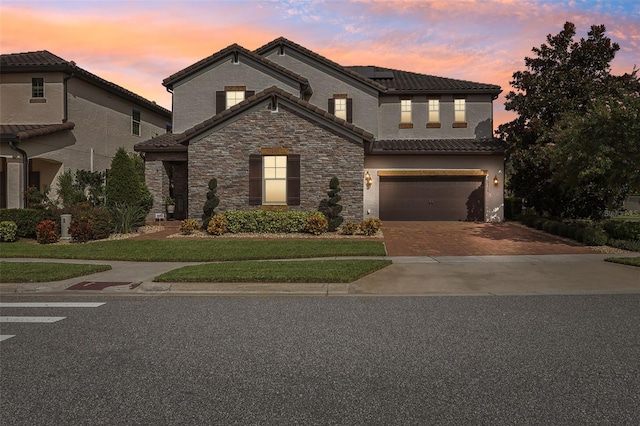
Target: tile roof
x=204, y=63
x=438, y=146
x=27, y=131
x=281, y=41
x=174, y=142
x=405, y=81
x=44, y=60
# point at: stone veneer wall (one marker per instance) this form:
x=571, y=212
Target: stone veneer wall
x=224, y=154
x=157, y=179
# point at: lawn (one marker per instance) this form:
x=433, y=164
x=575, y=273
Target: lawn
x=36, y=272
x=633, y=261
x=186, y=250
x=303, y=271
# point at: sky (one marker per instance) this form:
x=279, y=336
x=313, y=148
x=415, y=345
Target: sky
x=136, y=44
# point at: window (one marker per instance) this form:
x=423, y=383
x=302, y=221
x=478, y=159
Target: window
x=274, y=172
x=37, y=87
x=135, y=122
x=434, y=111
x=234, y=97
x=342, y=107
x=459, y=108
x=405, y=111
x=274, y=178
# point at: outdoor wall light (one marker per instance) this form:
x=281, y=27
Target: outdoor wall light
x=495, y=180
x=368, y=178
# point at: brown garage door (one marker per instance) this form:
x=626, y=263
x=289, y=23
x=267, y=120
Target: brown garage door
x=432, y=198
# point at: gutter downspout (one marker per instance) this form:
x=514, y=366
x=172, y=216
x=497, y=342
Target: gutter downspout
x=25, y=169
x=65, y=101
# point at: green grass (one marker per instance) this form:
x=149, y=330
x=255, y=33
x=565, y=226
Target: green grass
x=187, y=250
x=37, y=272
x=633, y=261
x=304, y=271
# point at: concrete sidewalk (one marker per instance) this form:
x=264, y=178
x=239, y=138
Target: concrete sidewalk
x=448, y=275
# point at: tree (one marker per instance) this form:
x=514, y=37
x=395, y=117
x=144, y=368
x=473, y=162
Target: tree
x=330, y=207
x=211, y=203
x=565, y=77
x=125, y=182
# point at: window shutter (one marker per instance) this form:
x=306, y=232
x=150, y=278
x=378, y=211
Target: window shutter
x=349, y=110
x=293, y=180
x=255, y=180
x=221, y=101
x=249, y=93
x=332, y=106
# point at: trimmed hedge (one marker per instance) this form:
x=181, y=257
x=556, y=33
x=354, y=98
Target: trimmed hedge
x=25, y=219
x=622, y=230
x=512, y=207
x=267, y=221
x=625, y=244
x=580, y=233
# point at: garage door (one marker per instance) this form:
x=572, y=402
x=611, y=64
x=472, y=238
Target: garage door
x=432, y=198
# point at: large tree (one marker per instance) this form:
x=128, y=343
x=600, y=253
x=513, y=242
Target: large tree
x=564, y=80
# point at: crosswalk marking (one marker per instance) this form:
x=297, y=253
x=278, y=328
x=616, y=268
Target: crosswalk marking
x=51, y=305
x=6, y=336
x=31, y=319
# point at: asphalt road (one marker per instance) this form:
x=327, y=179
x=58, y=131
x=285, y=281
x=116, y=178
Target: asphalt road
x=314, y=360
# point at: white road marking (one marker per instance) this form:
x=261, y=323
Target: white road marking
x=31, y=319
x=6, y=336
x=52, y=305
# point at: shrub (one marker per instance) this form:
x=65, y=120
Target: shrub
x=217, y=225
x=125, y=182
x=370, y=226
x=266, y=221
x=8, y=230
x=622, y=230
x=211, y=203
x=528, y=220
x=81, y=229
x=563, y=230
x=580, y=234
x=189, y=226
x=317, y=224
x=47, y=232
x=127, y=216
x=539, y=223
x=625, y=244
x=594, y=237
x=330, y=207
x=512, y=207
x=25, y=219
x=350, y=228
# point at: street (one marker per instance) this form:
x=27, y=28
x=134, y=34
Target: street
x=322, y=360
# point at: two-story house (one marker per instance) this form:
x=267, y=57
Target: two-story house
x=56, y=116
x=275, y=124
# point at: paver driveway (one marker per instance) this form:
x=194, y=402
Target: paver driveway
x=472, y=239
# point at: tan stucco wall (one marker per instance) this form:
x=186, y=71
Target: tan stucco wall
x=15, y=99
x=493, y=164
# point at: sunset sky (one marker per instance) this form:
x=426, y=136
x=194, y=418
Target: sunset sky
x=137, y=44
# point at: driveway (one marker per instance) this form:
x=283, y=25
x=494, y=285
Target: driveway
x=472, y=239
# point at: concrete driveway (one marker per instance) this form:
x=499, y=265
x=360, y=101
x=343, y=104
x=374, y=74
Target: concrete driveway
x=472, y=239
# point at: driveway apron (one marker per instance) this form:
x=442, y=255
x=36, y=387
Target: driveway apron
x=472, y=239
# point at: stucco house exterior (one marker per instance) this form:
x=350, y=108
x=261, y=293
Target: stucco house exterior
x=56, y=116
x=275, y=124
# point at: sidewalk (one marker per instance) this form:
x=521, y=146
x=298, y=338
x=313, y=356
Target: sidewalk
x=446, y=275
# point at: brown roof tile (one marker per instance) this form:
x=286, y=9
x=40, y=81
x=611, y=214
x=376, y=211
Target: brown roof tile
x=438, y=146
x=44, y=60
x=27, y=131
x=192, y=69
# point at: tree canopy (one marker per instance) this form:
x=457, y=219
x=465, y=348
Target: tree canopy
x=573, y=149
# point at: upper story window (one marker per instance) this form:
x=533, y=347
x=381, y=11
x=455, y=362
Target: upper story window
x=37, y=87
x=459, y=109
x=342, y=107
x=135, y=122
x=405, y=114
x=230, y=96
x=433, y=118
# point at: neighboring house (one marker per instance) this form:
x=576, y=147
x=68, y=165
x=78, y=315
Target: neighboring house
x=275, y=124
x=56, y=116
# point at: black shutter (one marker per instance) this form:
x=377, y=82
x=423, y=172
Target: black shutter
x=255, y=180
x=221, y=101
x=332, y=106
x=293, y=180
x=249, y=93
x=349, y=110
